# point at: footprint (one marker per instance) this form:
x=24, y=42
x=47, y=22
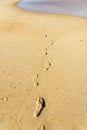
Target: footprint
x=52, y=43
x=40, y=104
x=45, y=51
x=47, y=66
x=3, y=99
x=35, y=80
x=41, y=127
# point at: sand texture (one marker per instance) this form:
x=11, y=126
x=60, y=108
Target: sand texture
x=43, y=70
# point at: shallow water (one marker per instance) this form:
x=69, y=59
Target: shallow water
x=69, y=7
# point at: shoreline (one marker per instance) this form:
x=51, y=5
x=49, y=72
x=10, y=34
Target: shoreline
x=13, y=4
x=19, y=5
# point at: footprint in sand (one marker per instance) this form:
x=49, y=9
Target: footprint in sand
x=35, y=80
x=47, y=66
x=45, y=51
x=41, y=127
x=52, y=43
x=3, y=99
x=40, y=104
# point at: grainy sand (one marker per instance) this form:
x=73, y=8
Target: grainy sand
x=42, y=57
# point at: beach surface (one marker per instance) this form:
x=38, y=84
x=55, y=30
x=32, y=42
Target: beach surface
x=43, y=70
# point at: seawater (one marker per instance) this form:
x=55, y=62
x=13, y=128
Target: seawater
x=69, y=7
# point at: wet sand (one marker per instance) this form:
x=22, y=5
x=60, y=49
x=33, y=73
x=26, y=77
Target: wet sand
x=43, y=70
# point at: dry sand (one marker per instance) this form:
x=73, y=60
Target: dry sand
x=42, y=57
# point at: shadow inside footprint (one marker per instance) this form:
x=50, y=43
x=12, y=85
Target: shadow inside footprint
x=40, y=104
x=43, y=106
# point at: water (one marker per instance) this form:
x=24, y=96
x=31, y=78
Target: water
x=69, y=7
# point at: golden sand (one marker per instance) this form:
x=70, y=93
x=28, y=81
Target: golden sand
x=44, y=56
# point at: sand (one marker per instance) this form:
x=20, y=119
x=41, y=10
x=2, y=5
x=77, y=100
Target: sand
x=42, y=57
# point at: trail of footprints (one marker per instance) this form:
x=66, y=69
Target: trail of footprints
x=40, y=102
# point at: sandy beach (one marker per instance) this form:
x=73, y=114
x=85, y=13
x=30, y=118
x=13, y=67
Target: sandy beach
x=43, y=57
